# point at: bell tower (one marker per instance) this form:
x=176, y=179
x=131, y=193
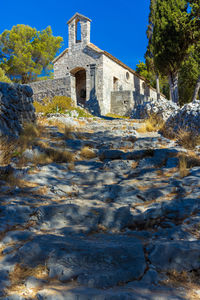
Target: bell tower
x=73, y=26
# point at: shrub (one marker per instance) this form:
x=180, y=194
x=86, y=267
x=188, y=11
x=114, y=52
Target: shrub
x=7, y=148
x=60, y=104
x=59, y=156
x=153, y=123
x=188, y=139
x=57, y=104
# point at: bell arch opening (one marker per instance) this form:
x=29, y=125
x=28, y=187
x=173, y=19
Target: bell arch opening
x=79, y=75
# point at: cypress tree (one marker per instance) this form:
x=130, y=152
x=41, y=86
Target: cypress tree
x=174, y=31
x=149, y=53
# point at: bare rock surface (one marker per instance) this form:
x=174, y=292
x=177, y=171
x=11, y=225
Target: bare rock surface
x=117, y=225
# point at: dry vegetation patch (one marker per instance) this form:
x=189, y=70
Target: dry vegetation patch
x=153, y=123
x=18, y=277
x=188, y=139
x=190, y=281
x=88, y=153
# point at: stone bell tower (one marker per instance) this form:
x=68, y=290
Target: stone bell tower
x=74, y=42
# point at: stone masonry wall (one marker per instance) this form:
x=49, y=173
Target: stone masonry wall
x=51, y=88
x=116, y=79
x=122, y=103
x=16, y=107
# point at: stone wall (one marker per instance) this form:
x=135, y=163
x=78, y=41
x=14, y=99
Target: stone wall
x=16, y=107
x=117, y=78
x=51, y=88
x=122, y=103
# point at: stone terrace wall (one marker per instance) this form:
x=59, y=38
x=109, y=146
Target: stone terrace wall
x=16, y=107
x=51, y=88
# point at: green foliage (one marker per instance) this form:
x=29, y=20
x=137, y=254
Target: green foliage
x=26, y=52
x=115, y=116
x=189, y=73
x=173, y=28
x=172, y=35
x=3, y=77
x=59, y=104
x=41, y=78
x=150, y=76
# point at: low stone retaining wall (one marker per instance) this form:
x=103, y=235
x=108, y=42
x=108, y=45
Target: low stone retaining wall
x=16, y=107
x=50, y=88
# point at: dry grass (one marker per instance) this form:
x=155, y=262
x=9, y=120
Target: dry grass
x=183, y=171
x=18, y=277
x=14, y=148
x=187, y=139
x=20, y=273
x=88, y=153
x=7, y=148
x=169, y=173
x=153, y=123
x=28, y=136
x=187, y=280
x=134, y=164
x=59, y=156
x=186, y=161
x=68, y=130
x=13, y=181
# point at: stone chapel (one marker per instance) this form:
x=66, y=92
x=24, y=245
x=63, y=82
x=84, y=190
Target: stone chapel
x=93, y=77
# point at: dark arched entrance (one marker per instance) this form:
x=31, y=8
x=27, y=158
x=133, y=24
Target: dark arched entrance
x=80, y=85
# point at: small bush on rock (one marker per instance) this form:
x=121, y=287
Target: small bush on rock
x=153, y=123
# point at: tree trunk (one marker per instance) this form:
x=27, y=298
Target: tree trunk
x=157, y=87
x=196, y=91
x=173, y=83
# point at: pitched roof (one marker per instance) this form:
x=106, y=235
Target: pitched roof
x=79, y=16
x=119, y=62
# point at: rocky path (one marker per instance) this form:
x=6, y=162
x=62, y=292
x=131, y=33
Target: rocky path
x=122, y=224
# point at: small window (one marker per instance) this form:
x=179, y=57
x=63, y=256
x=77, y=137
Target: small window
x=127, y=76
x=115, y=84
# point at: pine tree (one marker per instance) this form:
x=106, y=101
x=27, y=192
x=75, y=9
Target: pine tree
x=3, y=77
x=26, y=52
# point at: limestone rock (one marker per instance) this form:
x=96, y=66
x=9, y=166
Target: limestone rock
x=16, y=107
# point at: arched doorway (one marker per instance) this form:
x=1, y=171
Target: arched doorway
x=80, y=85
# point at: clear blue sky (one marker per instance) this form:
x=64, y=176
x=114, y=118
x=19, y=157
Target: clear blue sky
x=118, y=26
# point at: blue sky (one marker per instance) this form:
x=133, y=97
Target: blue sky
x=118, y=27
